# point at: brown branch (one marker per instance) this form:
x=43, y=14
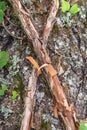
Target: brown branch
x=29, y=102
x=50, y=20
x=67, y=112
x=10, y=33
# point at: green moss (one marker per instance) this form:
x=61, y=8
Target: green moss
x=46, y=125
x=56, y=28
x=20, y=85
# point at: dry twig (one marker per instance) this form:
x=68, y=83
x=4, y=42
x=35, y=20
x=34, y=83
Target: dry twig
x=50, y=20
x=29, y=102
x=11, y=34
x=67, y=112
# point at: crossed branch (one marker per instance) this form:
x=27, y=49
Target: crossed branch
x=66, y=111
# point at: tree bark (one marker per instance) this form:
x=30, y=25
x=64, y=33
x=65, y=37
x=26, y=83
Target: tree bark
x=66, y=111
x=29, y=103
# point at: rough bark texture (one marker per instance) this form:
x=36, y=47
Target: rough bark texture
x=50, y=20
x=29, y=103
x=67, y=112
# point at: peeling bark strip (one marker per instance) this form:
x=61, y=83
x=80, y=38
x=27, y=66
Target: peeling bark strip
x=29, y=102
x=67, y=113
x=50, y=20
